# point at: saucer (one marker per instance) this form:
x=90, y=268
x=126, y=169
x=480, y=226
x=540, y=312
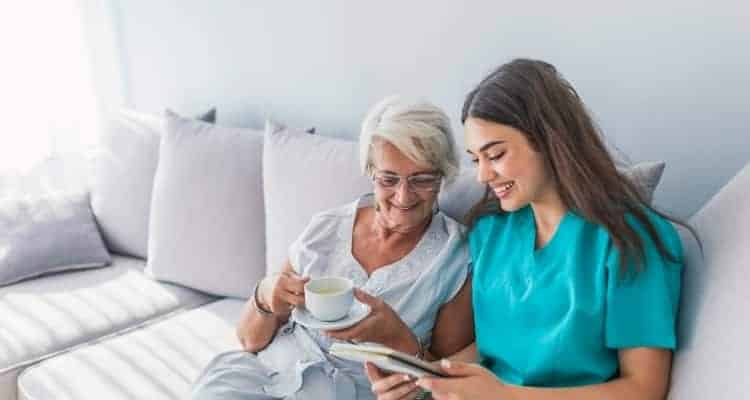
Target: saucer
x=357, y=313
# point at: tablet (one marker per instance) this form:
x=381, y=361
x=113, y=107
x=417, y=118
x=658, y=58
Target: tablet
x=386, y=359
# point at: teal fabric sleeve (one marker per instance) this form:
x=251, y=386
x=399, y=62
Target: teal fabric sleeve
x=642, y=303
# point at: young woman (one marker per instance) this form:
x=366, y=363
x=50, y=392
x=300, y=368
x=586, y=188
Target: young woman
x=576, y=279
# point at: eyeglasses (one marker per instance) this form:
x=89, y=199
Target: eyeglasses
x=423, y=182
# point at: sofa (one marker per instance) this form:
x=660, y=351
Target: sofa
x=193, y=214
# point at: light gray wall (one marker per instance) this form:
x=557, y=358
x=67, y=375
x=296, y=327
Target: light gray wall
x=666, y=81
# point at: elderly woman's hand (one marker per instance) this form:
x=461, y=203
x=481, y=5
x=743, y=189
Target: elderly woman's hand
x=284, y=291
x=382, y=326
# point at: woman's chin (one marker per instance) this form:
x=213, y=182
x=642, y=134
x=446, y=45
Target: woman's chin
x=510, y=206
x=406, y=222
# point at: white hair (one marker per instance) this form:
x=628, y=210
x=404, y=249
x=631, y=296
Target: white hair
x=417, y=128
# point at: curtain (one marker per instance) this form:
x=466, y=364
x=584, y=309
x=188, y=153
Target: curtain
x=47, y=97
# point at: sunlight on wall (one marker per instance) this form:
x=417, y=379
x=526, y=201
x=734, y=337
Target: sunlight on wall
x=47, y=99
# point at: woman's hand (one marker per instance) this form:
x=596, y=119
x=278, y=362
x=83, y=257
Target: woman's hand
x=465, y=381
x=382, y=326
x=282, y=292
x=255, y=330
x=391, y=386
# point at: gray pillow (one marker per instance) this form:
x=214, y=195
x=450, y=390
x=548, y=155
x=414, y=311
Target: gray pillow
x=124, y=169
x=645, y=175
x=48, y=234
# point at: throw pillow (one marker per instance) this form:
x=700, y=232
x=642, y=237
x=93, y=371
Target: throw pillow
x=304, y=174
x=48, y=234
x=206, y=223
x=123, y=173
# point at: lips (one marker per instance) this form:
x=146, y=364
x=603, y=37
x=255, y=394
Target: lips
x=504, y=189
x=407, y=208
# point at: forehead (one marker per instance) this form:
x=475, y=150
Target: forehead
x=388, y=157
x=478, y=133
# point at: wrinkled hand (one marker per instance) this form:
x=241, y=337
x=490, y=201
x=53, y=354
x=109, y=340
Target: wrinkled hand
x=466, y=382
x=382, y=326
x=282, y=292
x=391, y=386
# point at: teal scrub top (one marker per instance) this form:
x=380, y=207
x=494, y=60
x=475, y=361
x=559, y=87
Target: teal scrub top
x=557, y=315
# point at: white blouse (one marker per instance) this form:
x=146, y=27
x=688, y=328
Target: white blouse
x=416, y=286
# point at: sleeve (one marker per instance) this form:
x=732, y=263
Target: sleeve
x=303, y=252
x=461, y=272
x=449, y=261
x=642, y=305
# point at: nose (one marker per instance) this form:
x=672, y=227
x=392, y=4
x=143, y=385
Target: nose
x=485, y=173
x=404, y=195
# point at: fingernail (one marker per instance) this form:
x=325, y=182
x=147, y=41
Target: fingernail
x=406, y=378
x=445, y=363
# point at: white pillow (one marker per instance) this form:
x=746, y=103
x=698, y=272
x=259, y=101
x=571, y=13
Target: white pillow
x=304, y=174
x=124, y=168
x=207, y=219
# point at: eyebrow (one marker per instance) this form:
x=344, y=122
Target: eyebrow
x=389, y=172
x=487, y=146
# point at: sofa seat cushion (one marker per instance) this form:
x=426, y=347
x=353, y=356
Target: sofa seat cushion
x=159, y=361
x=53, y=313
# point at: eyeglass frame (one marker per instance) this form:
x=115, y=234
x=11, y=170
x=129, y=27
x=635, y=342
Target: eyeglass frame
x=409, y=183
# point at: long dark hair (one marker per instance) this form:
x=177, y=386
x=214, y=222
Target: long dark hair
x=532, y=97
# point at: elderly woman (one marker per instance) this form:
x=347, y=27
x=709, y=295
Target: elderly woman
x=409, y=261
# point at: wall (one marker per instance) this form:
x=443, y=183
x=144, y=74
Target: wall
x=665, y=81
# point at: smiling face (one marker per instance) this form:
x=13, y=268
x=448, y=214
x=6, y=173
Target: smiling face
x=507, y=163
x=401, y=207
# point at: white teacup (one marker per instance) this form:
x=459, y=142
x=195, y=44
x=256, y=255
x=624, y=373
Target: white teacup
x=329, y=298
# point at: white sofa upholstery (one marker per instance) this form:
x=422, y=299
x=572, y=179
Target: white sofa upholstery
x=713, y=359
x=56, y=313
x=158, y=361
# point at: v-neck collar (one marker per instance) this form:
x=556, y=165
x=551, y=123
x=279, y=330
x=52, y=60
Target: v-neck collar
x=553, y=242
x=400, y=265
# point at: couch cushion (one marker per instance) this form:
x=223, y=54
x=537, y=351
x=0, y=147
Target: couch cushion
x=53, y=313
x=304, y=174
x=713, y=356
x=123, y=175
x=159, y=361
x=48, y=234
x=207, y=219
